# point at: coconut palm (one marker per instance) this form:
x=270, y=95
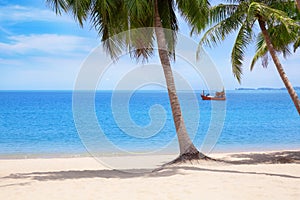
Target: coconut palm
x=278, y=24
x=111, y=17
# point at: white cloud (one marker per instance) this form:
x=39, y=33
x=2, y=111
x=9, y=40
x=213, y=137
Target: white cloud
x=16, y=13
x=47, y=43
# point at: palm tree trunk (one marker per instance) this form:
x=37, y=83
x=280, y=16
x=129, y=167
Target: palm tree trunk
x=298, y=4
x=278, y=65
x=187, y=148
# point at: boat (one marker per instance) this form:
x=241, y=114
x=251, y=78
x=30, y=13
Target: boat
x=218, y=96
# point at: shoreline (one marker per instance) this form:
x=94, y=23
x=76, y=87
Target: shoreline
x=87, y=154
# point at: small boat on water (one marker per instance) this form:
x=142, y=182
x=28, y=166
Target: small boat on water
x=218, y=96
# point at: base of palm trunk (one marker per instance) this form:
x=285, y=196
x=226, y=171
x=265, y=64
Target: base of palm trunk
x=189, y=157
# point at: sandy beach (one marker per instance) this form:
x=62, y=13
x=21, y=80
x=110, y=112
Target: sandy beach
x=261, y=175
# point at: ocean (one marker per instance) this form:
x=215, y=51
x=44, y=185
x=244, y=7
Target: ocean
x=41, y=123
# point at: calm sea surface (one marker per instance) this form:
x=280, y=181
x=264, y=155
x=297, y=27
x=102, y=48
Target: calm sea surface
x=40, y=123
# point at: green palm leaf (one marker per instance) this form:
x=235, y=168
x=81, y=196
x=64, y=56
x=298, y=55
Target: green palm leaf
x=58, y=6
x=243, y=39
x=261, y=52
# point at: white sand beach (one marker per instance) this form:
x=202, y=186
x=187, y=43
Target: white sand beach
x=262, y=175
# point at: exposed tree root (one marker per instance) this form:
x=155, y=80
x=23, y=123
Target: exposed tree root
x=189, y=157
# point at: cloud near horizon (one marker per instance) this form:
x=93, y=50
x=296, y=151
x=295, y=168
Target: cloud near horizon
x=17, y=13
x=38, y=49
x=46, y=43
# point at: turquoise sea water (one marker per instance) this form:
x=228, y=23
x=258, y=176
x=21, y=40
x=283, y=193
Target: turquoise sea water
x=40, y=123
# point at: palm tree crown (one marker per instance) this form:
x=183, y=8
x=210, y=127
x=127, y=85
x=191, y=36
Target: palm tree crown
x=112, y=17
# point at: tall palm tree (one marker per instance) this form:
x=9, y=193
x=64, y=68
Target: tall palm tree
x=279, y=27
x=112, y=17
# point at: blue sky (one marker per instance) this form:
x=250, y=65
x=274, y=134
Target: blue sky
x=42, y=51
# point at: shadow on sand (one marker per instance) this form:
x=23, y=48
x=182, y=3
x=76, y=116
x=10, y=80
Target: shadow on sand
x=254, y=158
x=106, y=173
x=266, y=158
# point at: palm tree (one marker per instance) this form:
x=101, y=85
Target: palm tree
x=279, y=27
x=298, y=4
x=112, y=17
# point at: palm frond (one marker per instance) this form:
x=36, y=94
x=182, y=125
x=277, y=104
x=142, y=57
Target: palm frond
x=287, y=6
x=272, y=16
x=58, y=6
x=243, y=39
x=281, y=39
x=114, y=47
x=221, y=12
x=282, y=29
x=195, y=13
x=141, y=43
x=110, y=18
x=261, y=52
x=281, y=18
x=80, y=9
x=217, y=33
x=297, y=44
x=138, y=8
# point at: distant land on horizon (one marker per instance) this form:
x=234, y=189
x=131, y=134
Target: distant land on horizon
x=267, y=88
x=145, y=90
